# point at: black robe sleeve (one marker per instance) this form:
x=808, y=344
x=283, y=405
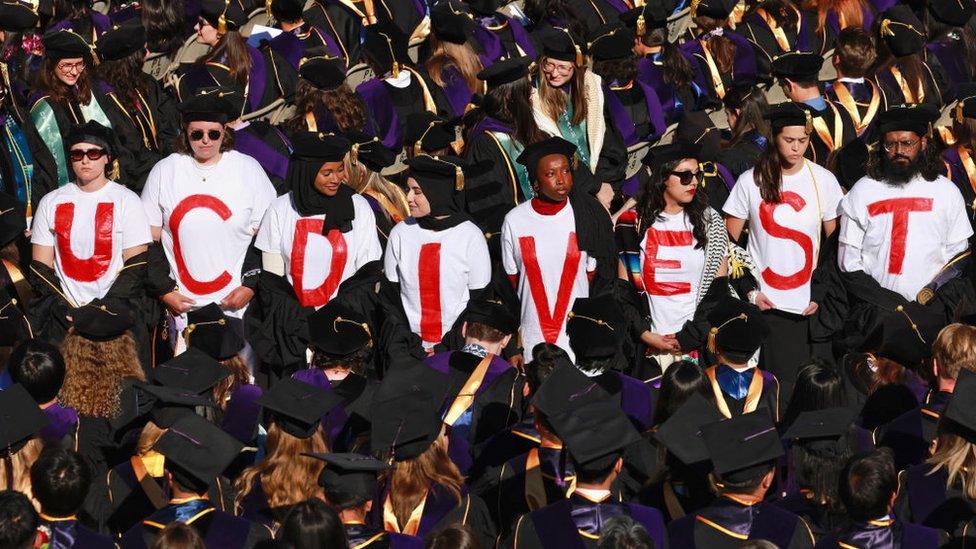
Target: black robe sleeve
x=275, y=323
x=491, y=196
x=158, y=279
x=49, y=308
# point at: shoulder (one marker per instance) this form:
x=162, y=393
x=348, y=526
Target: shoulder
x=518, y=212
x=246, y=161
x=748, y=179
x=469, y=230
x=124, y=193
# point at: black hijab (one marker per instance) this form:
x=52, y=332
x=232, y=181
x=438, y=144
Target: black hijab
x=442, y=180
x=309, y=152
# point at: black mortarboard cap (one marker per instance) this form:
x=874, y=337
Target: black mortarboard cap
x=493, y=314
x=566, y=388
x=737, y=326
x=369, y=151
x=122, y=40
x=170, y=404
x=678, y=150
x=741, y=447
x=13, y=222
x=17, y=16
x=716, y=9
x=798, y=66
x=962, y=405
x=353, y=475
x=20, y=419
x=224, y=15
x=595, y=327
x=437, y=171
x=323, y=71
x=67, y=44
x=596, y=433
x=905, y=335
x=450, y=21
x=297, y=407
x=612, y=43
x=781, y=115
x=99, y=322
x=338, y=331
x=94, y=133
x=559, y=43
x=850, y=163
x=966, y=104
x=901, y=31
x=319, y=146
x=208, y=105
x=196, y=451
x=825, y=423
x=289, y=11
x=192, y=370
x=535, y=152
x=652, y=15
x=681, y=434
x=696, y=128
x=955, y=13
x=484, y=7
x=386, y=46
x=505, y=71
x=209, y=330
x=406, y=411
x=427, y=132
x=910, y=118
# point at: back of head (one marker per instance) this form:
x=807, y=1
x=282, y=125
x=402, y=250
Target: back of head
x=624, y=533
x=856, y=52
x=179, y=535
x=544, y=357
x=18, y=521
x=312, y=524
x=818, y=386
x=39, y=367
x=60, y=480
x=678, y=383
x=955, y=349
x=455, y=536
x=868, y=484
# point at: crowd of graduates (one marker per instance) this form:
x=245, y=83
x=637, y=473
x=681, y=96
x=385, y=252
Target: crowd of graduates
x=474, y=274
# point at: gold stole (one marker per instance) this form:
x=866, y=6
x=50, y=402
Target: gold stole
x=910, y=97
x=713, y=70
x=465, y=398
x=778, y=33
x=835, y=140
x=752, y=395
x=969, y=167
x=21, y=285
x=390, y=523
x=846, y=100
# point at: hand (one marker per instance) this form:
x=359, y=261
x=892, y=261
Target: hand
x=811, y=309
x=517, y=361
x=238, y=299
x=177, y=303
x=763, y=302
x=661, y=343
x=605, y=195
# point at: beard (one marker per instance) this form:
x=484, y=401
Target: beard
x=899, y=173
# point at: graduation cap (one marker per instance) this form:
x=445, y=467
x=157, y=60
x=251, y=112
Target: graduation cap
x=209, y=330
x=742, y=447
x=20, y=419
x=99, y=322
x=595, y=327
x=966, y=104
x=566, y=388
x=595, y=434
x=681, y=434
x=349, y=476
x=696, y=128
x=612, y=43
x=323, y=71
x=901, y=30
x=94, y=133
x=558, y=43
x=442, y=176
x=716, y=9
x=652, y=15
x=287, y=10
x=319, y=146
x=905, y=335
x=122, y=40
x=17, y=16
x=955, y=13
x=451, y=22
x=786, y=114
x=224, y=15
x=170, y=404
x=428, y=132
x=850, y=163
x=962, y=405
x=193, y=370
x=13, y=221
x=798, y=66
x=504, y=71
x=822, y=431
x=338, y=331
x=483, y=7
x=738, y=328
x=535, y=152
x=197, y=451
x=208, y=105
x=910, y=118
x=67, y=44
x=369, y=151
x=386, y=47
x=493, y=314
x=297, y=407
x=406, y=411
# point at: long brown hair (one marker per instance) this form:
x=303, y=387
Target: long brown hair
x=239, y=376
x=59, y=92
x=287, y=477
x=95, y=373
x=231, y=51
x=851, y=12
x=413, y=477
x=346, y=107
x=723, y=49
x=126, y=76
x=461, y=56
x=554, y=99
x=768, y=172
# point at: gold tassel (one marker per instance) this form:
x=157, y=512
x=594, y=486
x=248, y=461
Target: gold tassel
x=579, y=56
x=808, y=125
x=736, y=267
x=222, y=25
x=641, y=25
x=711, y=340
x=693, y=10
x=267, y=7
x=885, y=29
x=396, y=69
x=418, y=148
x=458, y=179
x=959, y=117
x=354, y=154
x=113, y=174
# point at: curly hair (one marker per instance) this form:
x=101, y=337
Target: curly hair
x=126, y=76
x=59, y=92
x=412, y=478
x=181, y=143
x=286, y=476
x=96, y=371
x=929, y=162
x=346, y=107
x=650, y=204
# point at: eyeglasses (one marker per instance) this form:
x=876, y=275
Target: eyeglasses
x=688, y=177
x=92, y=154
x=891, y=146
x=72, y=67
x=551, y=67
x=197, y=135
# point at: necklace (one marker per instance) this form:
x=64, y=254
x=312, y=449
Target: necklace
x=204, y=169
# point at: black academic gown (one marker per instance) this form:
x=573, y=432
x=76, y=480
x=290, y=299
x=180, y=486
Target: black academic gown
x=885, y=534
x=933, y=84
x=728, y=523
x=68, y=532
x=442, y=509
x=362, y=536
x=802, y=37
x=910, y=435
x=832, y=129
x=741, y=156
x=219, y=530
x=345, y=27
x=926, y=499
x=763, y=392
x=45, y=174
x=861, y=100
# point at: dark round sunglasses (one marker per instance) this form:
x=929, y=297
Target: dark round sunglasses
x=688, y=177
x=197, y=135
x=92, y=154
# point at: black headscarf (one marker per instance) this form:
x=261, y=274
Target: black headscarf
x=309, y=152
x=442, y=180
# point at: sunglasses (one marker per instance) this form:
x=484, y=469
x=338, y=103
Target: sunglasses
x=687, y=178
x=197, y=135
x=92, y=154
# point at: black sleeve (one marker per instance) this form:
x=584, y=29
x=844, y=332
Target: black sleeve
x=611, y=167
x=694, y=334
x=251, y=269
x=158, y=280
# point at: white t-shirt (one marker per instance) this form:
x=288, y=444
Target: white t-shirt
x=436, y=271
x=902, y=235
x=542, y=250
x=89, y=231
x=784, y=238
x=315, y=264
x=209, y=215
x=671, y=268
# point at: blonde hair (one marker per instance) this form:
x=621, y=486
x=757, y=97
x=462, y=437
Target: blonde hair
x=955, y=349
x=287, y=477
x=413, y=477
x=95, y=372
x=554, y=100
x=958, y=456
x=151, y=433
x=461, y=56
x=365, y=181
x=20, y=464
